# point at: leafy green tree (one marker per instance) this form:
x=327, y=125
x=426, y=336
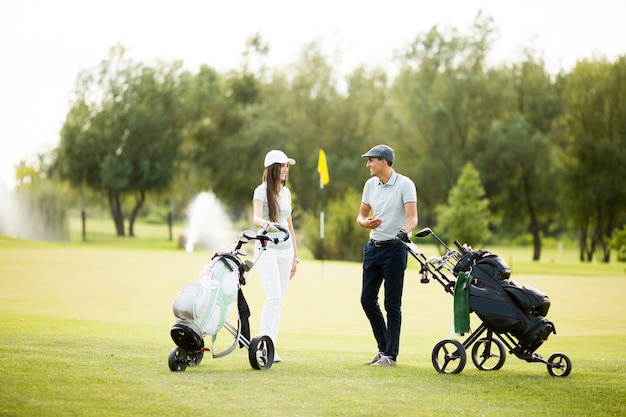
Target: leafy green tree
x=537, y=92
x=237, y=124
x=122, y=134
x=216, y=147
x=299, y=110
x=465, y=216
x=516, y=162
x=307, y=111
x=200, y=92
x=539, y=102
x=594, y=152
x=618, y=243
x=357, y=122
x=444, y=96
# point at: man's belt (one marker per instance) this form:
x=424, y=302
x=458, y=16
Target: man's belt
x=379, y=243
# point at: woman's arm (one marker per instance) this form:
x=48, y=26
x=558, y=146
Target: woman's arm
x=257, y=213
x=292, y=234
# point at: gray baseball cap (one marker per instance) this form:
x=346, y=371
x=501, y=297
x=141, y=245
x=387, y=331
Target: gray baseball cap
x=382, y=152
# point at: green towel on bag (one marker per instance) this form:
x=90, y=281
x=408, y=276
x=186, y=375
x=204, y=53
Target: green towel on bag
x=461, y=303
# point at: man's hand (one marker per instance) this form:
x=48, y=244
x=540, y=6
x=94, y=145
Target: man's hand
x=371, y=222
x=403, y=236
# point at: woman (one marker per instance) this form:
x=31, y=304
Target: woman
x=272, y=206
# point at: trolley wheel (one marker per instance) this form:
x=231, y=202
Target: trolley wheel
x=559, y=365
x=178, y=360
x=195, y=358
x=261, y=352
x=449, y=356
x=484, y=356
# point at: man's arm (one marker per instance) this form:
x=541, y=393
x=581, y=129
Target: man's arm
x=364, y=219
x=410, y=212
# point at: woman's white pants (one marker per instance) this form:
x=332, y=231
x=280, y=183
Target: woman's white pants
x=274, y=268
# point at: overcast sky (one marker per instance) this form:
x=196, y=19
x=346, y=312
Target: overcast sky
x=44, y=44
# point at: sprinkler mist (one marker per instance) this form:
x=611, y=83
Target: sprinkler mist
x=208, y=224
x=23, y=217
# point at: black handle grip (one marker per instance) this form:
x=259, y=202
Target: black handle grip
x=285, y=232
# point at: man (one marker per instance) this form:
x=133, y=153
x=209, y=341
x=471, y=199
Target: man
x=389, y=209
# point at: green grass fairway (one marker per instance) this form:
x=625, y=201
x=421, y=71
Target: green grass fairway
x=85, y=332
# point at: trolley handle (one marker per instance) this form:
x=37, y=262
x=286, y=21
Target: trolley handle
x=463, y=248
x=264, y=238
x=285, y=234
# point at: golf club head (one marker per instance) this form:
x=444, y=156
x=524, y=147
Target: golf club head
x=424, y=232
x=432, y=260
x=248, y=265
x=249, y=234
x=428, y=231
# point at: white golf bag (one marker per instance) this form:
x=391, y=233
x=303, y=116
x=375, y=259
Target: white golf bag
x=205, y=303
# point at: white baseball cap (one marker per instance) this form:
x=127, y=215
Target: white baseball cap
x=277, y=157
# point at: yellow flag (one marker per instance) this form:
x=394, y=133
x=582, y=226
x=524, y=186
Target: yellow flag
x=322, y=168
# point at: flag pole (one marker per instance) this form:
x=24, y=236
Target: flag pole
x=322, y=168
x=322, y=223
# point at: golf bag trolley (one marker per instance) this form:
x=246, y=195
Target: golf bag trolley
x=203, y=308
x=513, y=316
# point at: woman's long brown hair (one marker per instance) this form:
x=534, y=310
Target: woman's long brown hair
x=271, y=176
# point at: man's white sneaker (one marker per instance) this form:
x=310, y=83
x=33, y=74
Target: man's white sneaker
x=277, y=358
x=376, y=358
x=385, y=361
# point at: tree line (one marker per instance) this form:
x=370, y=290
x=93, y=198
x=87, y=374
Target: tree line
x=549, y=149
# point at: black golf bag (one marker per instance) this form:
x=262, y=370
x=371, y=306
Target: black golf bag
x=504, y=305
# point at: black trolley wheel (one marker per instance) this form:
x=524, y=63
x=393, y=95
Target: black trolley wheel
x=485, y=357
x=449, y=357
x=261, y=352
x=195, y=358
x=177, y=360
x=559, y=365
